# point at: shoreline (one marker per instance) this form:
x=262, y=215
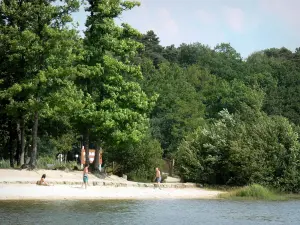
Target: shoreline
x=65, y=192
x=21, y=185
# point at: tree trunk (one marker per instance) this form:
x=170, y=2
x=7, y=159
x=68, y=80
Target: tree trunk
x=10, y=145
x=27, y=149
x=18, y=153
x=86, y=146
x=32, y=162
x=22, y=155
x=96, y=159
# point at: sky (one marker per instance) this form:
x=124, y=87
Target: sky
x=248, y=25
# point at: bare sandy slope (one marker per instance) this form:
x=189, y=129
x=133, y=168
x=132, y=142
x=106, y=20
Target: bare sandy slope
x=11, y=175
x=10, y=189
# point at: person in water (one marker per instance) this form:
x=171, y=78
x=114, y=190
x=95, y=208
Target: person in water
x=85, y=175
x=42, y=181
x=157, y=177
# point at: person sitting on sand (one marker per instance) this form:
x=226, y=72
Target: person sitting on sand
x=85, y=175
x=157, y=177
x=42, y=181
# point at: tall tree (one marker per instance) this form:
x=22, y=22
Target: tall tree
x=116, y=107
x=37, y=40
x=153, y=50
x=179, y=109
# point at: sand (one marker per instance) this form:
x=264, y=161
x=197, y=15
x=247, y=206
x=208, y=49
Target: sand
x=27, y=192
x=15, y=185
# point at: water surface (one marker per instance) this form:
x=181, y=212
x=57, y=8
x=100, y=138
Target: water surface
x=163, y=212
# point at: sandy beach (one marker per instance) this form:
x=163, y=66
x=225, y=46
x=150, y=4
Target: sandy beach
x=20, y=185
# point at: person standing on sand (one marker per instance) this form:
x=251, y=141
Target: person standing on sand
x=85, y=175
x=157, y=177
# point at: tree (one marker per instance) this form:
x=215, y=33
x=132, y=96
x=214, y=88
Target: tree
x=116, y=109
x=37, y=40
x=153, y=50
x=235, y=152
x=171, y=53
x=137, y=160
x=190, y=54
x=276, y=71
x=178, y=110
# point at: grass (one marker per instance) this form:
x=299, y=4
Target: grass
x=224, y=188
x=4, y=164
x=43, y=163
x=254, y=192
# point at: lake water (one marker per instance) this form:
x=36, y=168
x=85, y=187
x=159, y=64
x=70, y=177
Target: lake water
x=163, y=212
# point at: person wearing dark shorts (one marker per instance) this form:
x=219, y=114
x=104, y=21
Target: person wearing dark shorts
x=157, y=178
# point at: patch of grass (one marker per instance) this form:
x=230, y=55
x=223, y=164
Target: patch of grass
x=51, y=163
x=66, y=166
x=164, y=177
x=292, y=196
x=220, y=187
x=4, y=164
x=139, y=176
x=253, y=192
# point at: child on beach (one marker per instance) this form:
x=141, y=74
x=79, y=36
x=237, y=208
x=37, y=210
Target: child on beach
x=42, y=181
x=85, y=175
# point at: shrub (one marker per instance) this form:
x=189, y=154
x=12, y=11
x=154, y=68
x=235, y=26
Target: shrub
x=44, y=162
x=138, y=161
x=234, y=152
x=253, y=191
x=4, y=164
x=164, y=177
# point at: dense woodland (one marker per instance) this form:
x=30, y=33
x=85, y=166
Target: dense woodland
x=224, y=119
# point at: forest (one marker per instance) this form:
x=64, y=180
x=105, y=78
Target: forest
x=224, y=119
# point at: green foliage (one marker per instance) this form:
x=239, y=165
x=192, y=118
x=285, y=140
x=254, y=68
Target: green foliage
x=64, y=143
x=235, y=152
x=234, y=96
x=71, y=165
x=163, y=178
x=138, y=161
x=116, y=108
x=178, y=110
x=48, y=162
x=253, y=192
x=38, y=51
x=277, y=72
x=4, y=164
x=43, y=162
x=224, y=119
x=153, y=50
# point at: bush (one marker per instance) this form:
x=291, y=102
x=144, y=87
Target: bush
x=71, y=165
x=253, y=191
x=4, y=164
x=164, y=177
x=138, y=161
x=230, y=151
x=139, y=176
x=142, y=174
x=44, y=162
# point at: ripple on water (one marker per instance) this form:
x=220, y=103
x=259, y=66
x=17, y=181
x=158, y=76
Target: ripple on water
x=149, y=212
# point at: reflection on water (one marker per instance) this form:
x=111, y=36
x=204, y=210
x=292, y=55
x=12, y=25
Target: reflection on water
x=149, y=212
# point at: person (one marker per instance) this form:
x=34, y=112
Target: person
x=85, y=175
x=157, y=177
x=42, y=181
